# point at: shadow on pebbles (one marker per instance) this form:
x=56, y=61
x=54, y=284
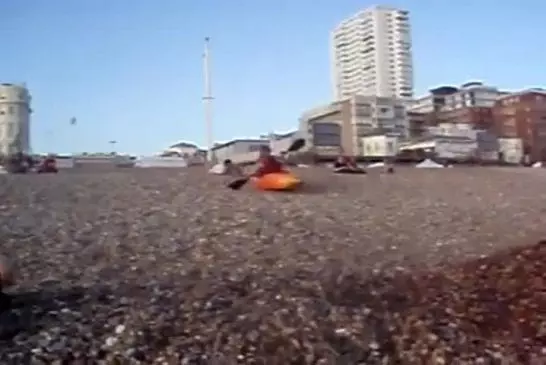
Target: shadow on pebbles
x=158, y=283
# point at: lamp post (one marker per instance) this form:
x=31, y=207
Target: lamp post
x=207, y=102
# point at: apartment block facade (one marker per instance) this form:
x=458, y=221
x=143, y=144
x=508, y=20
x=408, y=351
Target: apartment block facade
x=522, y=116
x=469, y=106
x=371, y=54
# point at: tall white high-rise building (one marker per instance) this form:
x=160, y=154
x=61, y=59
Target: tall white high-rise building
x=372, y=55
x=14, y=119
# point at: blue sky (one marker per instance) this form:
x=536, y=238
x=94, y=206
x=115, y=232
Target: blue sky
x=131, y=70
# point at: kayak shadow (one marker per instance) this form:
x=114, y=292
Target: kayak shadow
x=304, y=189
x=311, y=189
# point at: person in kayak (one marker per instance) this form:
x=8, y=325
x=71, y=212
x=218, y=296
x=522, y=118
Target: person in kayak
x=267, y=163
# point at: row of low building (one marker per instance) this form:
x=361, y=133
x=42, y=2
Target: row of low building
x=473, y=121
x=516, y=119
x=239, y=150
x=104, y=162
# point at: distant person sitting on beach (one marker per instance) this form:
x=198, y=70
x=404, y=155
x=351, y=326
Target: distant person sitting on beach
x=389, y=167
x=232, y=169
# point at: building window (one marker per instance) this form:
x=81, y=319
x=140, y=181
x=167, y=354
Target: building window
x=10, y=131
x=256, y=147
x=363, y=110
x=390, y=147
x=326, y=134
x=399, y=111
x=11, y=110
x=363, y=129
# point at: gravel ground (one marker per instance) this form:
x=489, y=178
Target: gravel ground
x=169, y=267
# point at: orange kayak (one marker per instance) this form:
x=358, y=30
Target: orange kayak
x=282, y=181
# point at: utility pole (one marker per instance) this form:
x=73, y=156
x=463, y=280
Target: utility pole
x=207, y=102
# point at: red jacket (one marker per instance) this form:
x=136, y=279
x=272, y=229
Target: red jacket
x=268, y=165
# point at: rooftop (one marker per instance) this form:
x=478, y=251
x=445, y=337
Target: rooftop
x=240, y=140
x=183, y=145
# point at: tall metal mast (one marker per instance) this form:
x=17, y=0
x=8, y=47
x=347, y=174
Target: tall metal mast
x=207, y=101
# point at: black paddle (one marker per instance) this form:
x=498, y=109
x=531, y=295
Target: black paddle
x=239, y=183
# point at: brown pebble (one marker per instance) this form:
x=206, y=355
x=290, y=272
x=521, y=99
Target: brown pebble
x=426, y=266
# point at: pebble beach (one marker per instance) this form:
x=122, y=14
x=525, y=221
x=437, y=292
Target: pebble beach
x=167, y=266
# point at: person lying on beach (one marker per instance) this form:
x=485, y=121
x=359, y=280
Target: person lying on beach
x=344, y=161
